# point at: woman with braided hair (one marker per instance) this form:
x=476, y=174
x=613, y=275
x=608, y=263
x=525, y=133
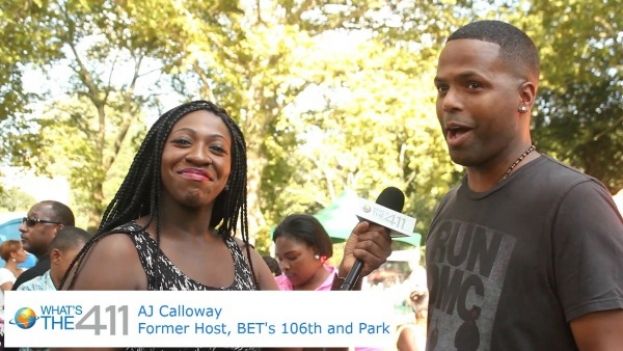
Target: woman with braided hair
x=172, y=223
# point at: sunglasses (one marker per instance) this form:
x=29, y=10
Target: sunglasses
x=32, y=221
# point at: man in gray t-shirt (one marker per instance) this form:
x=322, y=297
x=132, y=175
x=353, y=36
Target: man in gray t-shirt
x=526, y=253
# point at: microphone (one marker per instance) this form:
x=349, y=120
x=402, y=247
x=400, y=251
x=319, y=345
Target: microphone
x=386, y=213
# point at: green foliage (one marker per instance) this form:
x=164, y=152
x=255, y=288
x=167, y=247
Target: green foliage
x=372, y=128
x=580, y=40
x=583, y=126
x=14, y=199
x=68, y=145
x=25, y=41
x=370, y=122
x=82, y=133
x=580, y=115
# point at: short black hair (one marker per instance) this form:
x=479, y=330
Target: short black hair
x=69, y=237
x=307, y=229
x=61, y=212
x=515, y=45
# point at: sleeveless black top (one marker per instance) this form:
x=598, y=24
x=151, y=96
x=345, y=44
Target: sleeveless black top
x=162, y=274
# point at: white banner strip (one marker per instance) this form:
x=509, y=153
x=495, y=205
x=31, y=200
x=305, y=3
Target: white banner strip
x=197, y=319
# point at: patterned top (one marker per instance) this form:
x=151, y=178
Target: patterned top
x=162, y=274
x=40, y=283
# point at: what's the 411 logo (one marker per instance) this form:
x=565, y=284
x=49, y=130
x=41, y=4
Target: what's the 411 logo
x=97, y=321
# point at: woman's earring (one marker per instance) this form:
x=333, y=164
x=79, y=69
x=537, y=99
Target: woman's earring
x=316, y=257
x=522, y=108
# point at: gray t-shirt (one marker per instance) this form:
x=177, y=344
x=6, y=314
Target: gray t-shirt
x=509, y=268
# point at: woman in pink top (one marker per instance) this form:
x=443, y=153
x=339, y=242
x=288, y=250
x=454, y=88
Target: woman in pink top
x=302, y=249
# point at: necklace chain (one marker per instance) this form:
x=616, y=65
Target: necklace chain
x=517, y=161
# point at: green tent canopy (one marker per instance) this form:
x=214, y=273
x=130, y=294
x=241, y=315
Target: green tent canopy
x=338, y=219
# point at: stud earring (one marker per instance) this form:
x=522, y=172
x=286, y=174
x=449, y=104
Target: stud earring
x=316, y=257
x=522, y=108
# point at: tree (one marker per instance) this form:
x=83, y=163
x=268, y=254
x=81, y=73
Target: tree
x=583, y=125
x=69, y=146
x=20, y=47
x=15, y=199
x=97, y=40
x=580, y=115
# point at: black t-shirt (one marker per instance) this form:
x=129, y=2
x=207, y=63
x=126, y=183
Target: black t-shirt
x=509, y=268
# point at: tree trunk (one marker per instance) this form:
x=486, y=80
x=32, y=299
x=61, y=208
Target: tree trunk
x=96, y=206
x=255, y=165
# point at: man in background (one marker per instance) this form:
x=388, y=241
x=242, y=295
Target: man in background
x=63, y=249
x=38, y=229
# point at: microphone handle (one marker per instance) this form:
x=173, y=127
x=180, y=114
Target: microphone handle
x=353, y=275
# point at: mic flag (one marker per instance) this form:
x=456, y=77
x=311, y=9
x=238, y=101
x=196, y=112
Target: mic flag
x=386, y=212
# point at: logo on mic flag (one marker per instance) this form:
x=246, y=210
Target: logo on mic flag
x=400, y=224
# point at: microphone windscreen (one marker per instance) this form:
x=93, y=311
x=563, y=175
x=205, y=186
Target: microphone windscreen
x=392, y=198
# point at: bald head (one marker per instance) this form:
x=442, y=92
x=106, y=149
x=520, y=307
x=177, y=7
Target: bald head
x=59, y=211
x=41, y=224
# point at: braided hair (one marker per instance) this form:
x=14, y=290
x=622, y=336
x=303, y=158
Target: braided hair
x=140, y=193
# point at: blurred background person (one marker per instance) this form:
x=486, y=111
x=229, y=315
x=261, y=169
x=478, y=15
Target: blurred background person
x=63, y=249
x=38, y=229
x=12, y=252
x=302, y=247
x=412, y=336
